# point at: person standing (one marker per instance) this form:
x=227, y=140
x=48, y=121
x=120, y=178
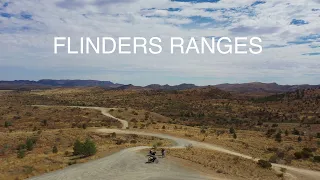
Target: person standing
x=163, y=152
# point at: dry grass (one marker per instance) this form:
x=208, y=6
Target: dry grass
x=253, y=143
x=41, y=159
x=30, y=118
x=223, y=163
x=138, y=118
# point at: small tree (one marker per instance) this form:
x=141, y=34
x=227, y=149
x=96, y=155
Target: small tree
x=21, y=153
x=89, y=148
x=264, y=164
x=278, y=137
x=286, y=132
x=7, y=124
x=299, y=139
x=295, y=132
x=84, y=126
x=163, y=127
x=234, y=136
x=77, y=148
x=55, y=149
x=231, y=130
x=29, y=144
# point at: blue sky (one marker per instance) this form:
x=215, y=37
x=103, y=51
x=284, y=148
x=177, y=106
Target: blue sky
x=290, y=31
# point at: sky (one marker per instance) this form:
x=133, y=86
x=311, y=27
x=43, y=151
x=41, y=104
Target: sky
x=290, y=31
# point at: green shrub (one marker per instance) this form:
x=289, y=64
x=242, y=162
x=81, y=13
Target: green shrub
x=298, y=155
x=77, y=148
x=30, y=144
x=273, y=159
x=21, y=153
x=133, y=141
x=231, y=130
x=84, y=126
x=55, y=149
x=295, y=132
x=234, y=136
x=72, y=163
x=278, y=137
x=270, y=132
x=304, y=154
x=264, y=164
x=89, y=148
x=21, y=146
x=316, y=158
x=286, y=132
x=299, y=139
x=7, y=124
x=113, y=135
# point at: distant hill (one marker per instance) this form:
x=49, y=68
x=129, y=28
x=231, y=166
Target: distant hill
x=49, y=83
x=168, y=87
x=254, y=88
x=258, y=87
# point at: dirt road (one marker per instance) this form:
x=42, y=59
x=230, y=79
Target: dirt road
x=127, y=164
x=120, y=164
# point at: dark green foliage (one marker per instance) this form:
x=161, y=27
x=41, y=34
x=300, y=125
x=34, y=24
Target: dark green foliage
x=7, y=124
x=231, y=130
x=88, y=148
x=299, y=139
x=234, y=136
x=276, y=97
x=273, y=159
x=286, y=132
x=84, y=126
x=21, y=146
x=77, y=148
x=270, y=132
x=274, y=125
x=21, y=153
x=55, y=149
x=113, y=135
x=298, y=155
x=316, y=158
x=304, y=154
x=278, y=137
x=30, y=144
x=133, y=141
x=295, y=132
x=318, y=135
x=264, y=164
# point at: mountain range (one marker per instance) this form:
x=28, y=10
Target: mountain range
x=253, y=87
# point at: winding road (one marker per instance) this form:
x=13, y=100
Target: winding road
x=129, y=164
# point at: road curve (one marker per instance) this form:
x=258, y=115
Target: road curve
x=293, y=173
x=104, y=111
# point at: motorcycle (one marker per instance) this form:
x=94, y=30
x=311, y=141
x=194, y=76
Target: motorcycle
x=152, y=159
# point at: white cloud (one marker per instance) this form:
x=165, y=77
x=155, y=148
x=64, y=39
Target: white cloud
x=29, y=43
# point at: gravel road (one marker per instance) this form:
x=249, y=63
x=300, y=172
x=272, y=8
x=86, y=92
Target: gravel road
x=128, y=164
